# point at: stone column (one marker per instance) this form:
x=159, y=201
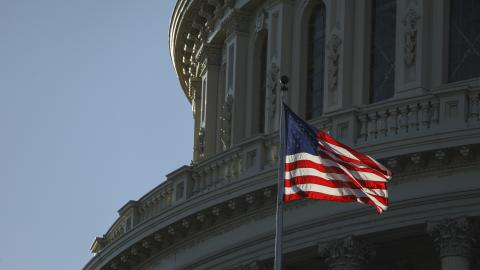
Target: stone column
x=347, y=254
x=236, y=28
x=453, y=238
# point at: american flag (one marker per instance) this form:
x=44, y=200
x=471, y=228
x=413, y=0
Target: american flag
x=319, y=167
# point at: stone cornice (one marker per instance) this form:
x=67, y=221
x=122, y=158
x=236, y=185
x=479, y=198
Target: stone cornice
x=232, y=211
x=190, y=26
x=208, y=55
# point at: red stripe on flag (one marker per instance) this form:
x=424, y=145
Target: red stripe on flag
x=362, y=157
x=308, y=179
x=327, y=169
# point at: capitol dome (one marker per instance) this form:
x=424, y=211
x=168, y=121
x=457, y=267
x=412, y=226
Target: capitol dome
x=398, y=80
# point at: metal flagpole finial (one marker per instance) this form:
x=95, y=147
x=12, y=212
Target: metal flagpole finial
x=284, y=82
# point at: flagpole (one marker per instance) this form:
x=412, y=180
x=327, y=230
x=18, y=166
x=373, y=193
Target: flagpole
x=281, y=177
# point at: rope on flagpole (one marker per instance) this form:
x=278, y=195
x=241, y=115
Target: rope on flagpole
x=281, y=176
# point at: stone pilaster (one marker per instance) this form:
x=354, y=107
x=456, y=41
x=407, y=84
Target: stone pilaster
x=347, y=254
x=453, y=238
x=195, y=88
x=236, y=27
x=209, y=58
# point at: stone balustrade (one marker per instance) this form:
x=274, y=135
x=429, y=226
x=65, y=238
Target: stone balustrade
x=438, y=112
x=442, y=111
x=429, y=115
x=399, y=119
x=249, y=158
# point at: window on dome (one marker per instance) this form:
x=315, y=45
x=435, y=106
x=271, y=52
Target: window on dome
x=203, y=106
x=260, y=80
x=464, y=53
x=383, y=50
x=180, y=189
x=315, y=62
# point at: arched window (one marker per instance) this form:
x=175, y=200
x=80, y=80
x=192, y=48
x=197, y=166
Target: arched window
x=260, y=82
x=383, y=50
x=464, y=49
x=315, y=62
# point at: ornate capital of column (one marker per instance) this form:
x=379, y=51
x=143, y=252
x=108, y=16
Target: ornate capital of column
x=195, y=88
x=236, y=22
x=347, y=254
x=209, y=55
x=452, y=237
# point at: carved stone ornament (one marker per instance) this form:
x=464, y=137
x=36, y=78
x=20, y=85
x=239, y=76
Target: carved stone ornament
x=201, y=142
x=453, y=237
x=232, y=205
x=394, y=164
x=171, y=230
x=201, y=217
x=347, y=254
x=261, y=21
x=226, y=118
x=466, y=152
x=410, y=22
x=218, y=11
x=333, y=47
x=236, y=22
x=146, y=244
x=208, y=55
x=272, y=79
x=158, y=237
x=185, y=224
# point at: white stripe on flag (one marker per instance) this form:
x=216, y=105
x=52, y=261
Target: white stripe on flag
x=328, y=191
x=338, y=150
x=333, y=176
x=329, y=163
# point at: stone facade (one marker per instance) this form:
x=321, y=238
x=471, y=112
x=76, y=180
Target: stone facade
x=218, y=212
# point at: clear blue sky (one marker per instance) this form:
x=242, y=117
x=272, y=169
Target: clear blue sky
x=91, y=116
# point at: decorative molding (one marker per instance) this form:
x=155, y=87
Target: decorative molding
x=207, y=11
x=250, y=199
x=209, y=55
x=410, y=43
x=261, y=21
x=219, y=8
x=473, y=107
x=226, y=118
x=333, y=48
x=201, y=143
x=272, y=79
x=194, y=92
x=467, y=152
x=443, y=156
